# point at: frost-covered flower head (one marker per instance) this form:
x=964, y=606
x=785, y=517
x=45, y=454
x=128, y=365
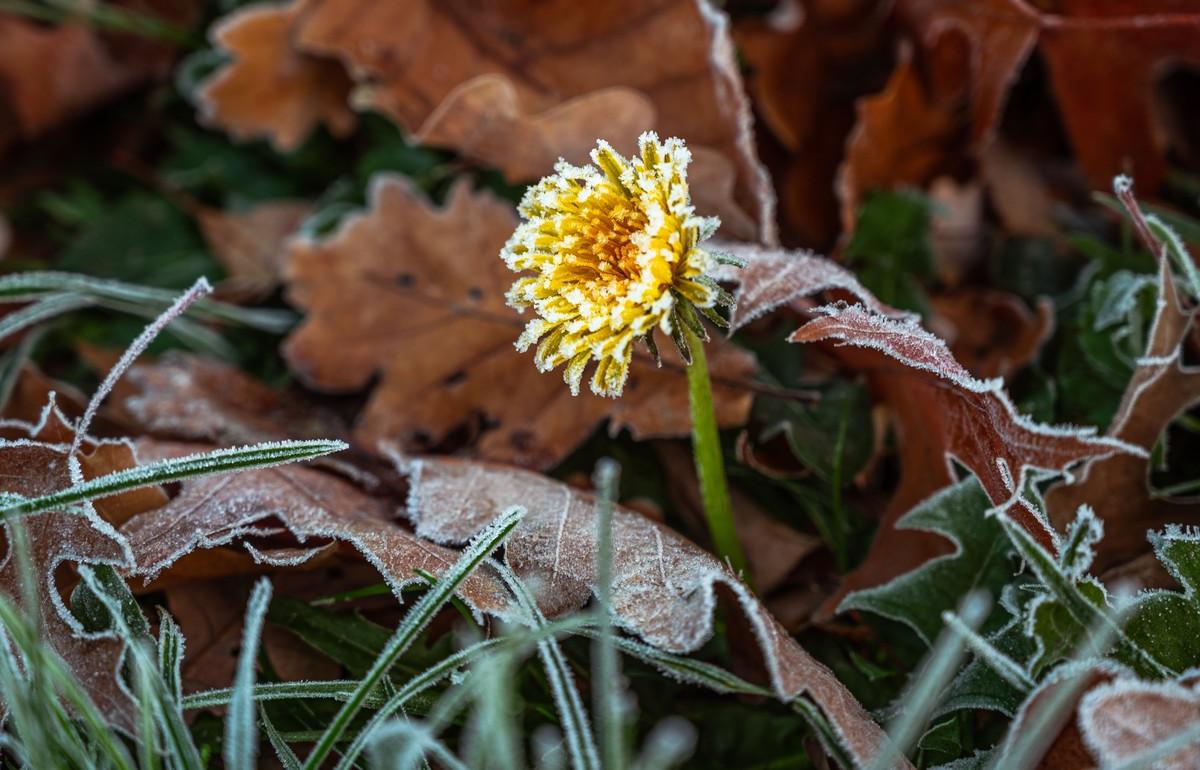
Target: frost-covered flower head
x=615, y=253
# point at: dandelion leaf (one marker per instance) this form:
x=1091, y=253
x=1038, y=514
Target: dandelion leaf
x=982, y=559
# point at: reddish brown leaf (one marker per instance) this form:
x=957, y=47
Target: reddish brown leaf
x=51, y=74
x=903, y=135
x=773, y=278
x=301, y=503
x=664, y=586
x=272, y=90
x=415, y=295
x=517, y=84
x=35, y=463
x=993, y=333
x=1103, y=60
x=944, y=414
x=806, y=67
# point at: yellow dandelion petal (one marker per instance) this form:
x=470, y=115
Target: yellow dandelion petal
x=611, y=248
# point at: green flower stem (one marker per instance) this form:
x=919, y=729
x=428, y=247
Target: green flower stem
x=710, y=466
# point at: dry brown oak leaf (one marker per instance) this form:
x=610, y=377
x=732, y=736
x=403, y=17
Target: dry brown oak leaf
x=518, y=84
x=251, y=245
x=34, y=461
x=664, y=587
x=271, y=89
x=1117, y=487
x=942, y=413
x=414, y=294
x=1104, y=63
x=236, y=511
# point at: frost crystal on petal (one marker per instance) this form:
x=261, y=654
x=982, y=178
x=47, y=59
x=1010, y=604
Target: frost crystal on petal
x=614, y=246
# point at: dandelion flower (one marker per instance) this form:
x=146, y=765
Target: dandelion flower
x=614, y=251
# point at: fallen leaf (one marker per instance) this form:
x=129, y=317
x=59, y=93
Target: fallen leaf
x=415, y=295
x=210, y=614
x=1103, y=63
x=184, y=396
x=271, y=89
x=484, y=119
x=251, y=245
x=1117, y=487
x=773, y=278
x=905, y=134
x=1124, y=717
x=519, y=84
x=34, y=458
x=664, y=587
x=806, y=66
x=51, y=74
x=306, y=504
x=941, y=414
x=993, y=333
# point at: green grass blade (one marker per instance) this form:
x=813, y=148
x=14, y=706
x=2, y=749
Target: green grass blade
x=32, y=286
x=283, y=752
x=606, y=675
x=581, y=746
x=241, y=728
x=927, y=684
x=332, y=690
x=171, y=648
x=413, y=623
x=263, y=455
x=43, y=309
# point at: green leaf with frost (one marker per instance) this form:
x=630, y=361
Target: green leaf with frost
x=1167, y=623
x=981, y=560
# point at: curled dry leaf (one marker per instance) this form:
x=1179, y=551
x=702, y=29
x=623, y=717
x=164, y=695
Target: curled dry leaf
x=34, y=461
x=942, y=413
x=664, y=586
x=251, y=245
x=902, y=135
x=806, y=66
x=271, y=89
x=993, y=333
x=49, y=75
x=415, y=295
x=1122, y=718
x=234, y=510
x=517, y=85
x=1104, y=63
x=1117, y=487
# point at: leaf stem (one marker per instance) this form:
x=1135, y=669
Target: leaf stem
x=710, y=466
